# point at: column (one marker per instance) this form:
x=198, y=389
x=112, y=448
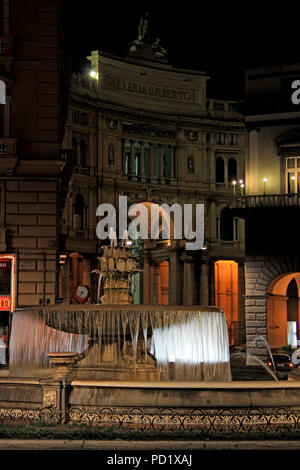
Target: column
x=211, y=274
x=175, y=280
x=241, y=303
x=204, y=284
x=146, y=279
x=227, y=183
x=211, y=177
x=172, y=163
x=132, y=160
x=151, y=162
x=161, y=162
x=155, y=285
x=187, y=283
x=142, y=163
x=66, y=282
x=7, y=117
x=212, y=221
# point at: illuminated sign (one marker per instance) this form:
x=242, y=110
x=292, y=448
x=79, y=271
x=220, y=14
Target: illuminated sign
x=7, y=279
x=5, y=304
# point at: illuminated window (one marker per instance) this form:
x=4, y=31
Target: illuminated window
x=127, y=157
x=137, y=158
x=293, y=175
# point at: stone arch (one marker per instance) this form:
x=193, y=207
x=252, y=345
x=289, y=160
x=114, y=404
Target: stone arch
x=261, y=275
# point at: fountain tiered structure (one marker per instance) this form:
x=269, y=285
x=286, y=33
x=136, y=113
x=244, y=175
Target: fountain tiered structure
x=120, y=341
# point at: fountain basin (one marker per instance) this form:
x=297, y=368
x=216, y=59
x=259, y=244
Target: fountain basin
x=187, y=343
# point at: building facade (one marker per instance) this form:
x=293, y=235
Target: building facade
x=135, y=127
x=271, y=206
x=140, y=128
x=33, y=169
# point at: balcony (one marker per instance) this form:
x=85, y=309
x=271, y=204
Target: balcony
x=6, y=51
x=8, y=155
x=269, y=200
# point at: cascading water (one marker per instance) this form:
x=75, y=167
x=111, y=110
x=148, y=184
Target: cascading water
x=193, y=340
x=31, y=339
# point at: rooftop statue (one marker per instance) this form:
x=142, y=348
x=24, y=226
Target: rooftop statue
x=143, y=31
x=142, y=46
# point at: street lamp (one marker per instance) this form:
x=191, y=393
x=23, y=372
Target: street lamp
x=265, y=180
x=234, y=185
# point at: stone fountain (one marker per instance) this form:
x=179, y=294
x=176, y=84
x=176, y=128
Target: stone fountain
x=120, y=341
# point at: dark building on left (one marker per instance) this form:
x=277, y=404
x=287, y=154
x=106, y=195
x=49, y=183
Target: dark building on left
x=33, y=168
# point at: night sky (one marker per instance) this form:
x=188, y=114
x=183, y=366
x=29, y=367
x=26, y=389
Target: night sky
x=220, y=39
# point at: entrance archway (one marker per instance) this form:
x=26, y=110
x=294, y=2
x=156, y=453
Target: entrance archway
x=155, y=270
x=283, y=310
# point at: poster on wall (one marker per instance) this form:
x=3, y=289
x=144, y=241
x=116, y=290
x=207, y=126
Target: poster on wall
x=5, y=285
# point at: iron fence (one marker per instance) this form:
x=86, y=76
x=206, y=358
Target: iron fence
x=204, y=422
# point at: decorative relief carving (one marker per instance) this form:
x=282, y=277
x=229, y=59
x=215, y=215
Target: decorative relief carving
x=191, y=164
x=148, y=131
x=49, y=399
x=111, y=123
x=111, y=155
x=190, y=135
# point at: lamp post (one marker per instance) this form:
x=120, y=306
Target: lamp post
x=234, y=185
x=265, y=180
x=242, y=188
x=293, y=185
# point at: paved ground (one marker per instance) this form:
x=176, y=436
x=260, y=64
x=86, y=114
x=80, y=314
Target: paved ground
x=134, y=446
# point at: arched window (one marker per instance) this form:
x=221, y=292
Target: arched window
x=226, y=224
x=220, y=176
x=79, y=213
x=137, y=158
x=83, y=153
x=74, y=148
x=127, y=157
x=232, y=170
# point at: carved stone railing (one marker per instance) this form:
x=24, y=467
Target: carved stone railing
x=269, y=200
x=206, y=422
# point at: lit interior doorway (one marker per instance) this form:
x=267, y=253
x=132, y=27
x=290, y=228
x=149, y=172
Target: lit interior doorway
x=283, y=310
x=159, y=282
x=226, y=295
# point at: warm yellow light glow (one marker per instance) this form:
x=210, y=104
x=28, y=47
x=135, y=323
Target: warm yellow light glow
x=242, y=185
x=233, y=182
x=293, y=177
x=241, y=181
x=265, y=180
x=93, y=74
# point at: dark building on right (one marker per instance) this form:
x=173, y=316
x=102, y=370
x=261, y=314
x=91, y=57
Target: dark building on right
x=270, y=207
